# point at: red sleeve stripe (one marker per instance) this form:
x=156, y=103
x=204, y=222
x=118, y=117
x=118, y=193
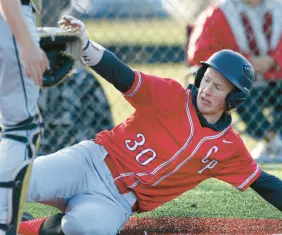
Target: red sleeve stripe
x=249, y=179
x=137, y=86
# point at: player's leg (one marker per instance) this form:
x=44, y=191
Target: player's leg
x=85, y=214
x=76, y=172
x=18, y=102
x=59, y=175
x=94, y=214
x=104, y=210
x=64, y=174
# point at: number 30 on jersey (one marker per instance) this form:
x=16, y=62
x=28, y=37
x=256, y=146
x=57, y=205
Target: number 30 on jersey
x=142, y=156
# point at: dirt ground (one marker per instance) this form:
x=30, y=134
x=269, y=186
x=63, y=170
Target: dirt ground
x=177, y=226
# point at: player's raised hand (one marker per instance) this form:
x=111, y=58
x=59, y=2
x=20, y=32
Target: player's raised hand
x=34, y=61
x=72, y=24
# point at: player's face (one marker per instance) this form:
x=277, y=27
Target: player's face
x=212, y=94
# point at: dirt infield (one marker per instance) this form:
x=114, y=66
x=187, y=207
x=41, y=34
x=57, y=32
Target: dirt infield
x=177, y=226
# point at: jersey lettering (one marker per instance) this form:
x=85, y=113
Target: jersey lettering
x=211, y=164
x=205, y=159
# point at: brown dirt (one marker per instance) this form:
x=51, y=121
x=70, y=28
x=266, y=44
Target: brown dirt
x=177, y=226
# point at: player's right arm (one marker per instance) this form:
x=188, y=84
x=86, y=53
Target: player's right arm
x=138, y=88
x=102, y=61
x=34, y=60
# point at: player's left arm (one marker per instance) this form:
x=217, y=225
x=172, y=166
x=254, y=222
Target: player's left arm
x=269, y=187
x=242, y=171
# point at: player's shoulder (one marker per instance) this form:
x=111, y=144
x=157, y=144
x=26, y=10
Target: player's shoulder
x=234, y=144
x=233, y=136
x=150, y=76
x=160, y=81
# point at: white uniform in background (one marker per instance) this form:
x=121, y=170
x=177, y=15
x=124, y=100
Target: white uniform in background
x=19, y=119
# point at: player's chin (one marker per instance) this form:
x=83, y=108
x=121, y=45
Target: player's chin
x=205, y=109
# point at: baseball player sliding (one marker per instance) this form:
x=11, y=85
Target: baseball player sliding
x=175, y=139
x=22, y=64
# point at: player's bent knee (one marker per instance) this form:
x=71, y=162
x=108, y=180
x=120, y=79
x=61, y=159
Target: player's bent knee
x=74, y=226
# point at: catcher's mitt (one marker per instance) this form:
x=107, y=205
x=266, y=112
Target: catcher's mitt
x=63, y=49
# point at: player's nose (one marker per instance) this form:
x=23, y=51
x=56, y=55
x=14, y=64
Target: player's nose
x=208, y=89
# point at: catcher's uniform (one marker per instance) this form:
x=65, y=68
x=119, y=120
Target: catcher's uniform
x=18, y=118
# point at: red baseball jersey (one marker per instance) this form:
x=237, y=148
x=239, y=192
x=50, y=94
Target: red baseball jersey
x=162, y=150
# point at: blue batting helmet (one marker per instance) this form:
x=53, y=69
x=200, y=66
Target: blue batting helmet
x=236, y=69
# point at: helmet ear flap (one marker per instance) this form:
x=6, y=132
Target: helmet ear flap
x=199, y=75
x=235, y=98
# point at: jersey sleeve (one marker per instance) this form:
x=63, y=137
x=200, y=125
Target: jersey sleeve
x=241, y=170
x=154, y=92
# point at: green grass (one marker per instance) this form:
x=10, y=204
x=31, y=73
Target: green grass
x=212, y=198
x=144, y=32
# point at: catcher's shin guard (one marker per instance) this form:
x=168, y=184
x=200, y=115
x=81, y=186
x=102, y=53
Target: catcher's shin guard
x=18, y=185
x=17, y=189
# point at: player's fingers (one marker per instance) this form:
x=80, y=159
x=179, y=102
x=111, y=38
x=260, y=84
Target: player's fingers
x=70, y=23
x=67, y=20
x=76, y=22
x=72, y=28
x=30, y=73
x=68, y=17
x=35, y=74
x=64, y=27
x=44, y=63
x=69, y=27
x=43, y=66
x=61, y=22
x=70, y=20
x=39, y=74
x=27, y=71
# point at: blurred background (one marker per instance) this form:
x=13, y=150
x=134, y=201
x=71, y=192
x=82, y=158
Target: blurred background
x=151, y=36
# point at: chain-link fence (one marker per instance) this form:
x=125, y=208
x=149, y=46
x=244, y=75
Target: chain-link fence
x=152, y=35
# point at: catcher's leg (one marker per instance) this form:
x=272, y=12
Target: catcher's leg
x=17, y=151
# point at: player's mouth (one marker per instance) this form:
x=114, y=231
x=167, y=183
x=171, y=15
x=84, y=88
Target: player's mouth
x=205, y=101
